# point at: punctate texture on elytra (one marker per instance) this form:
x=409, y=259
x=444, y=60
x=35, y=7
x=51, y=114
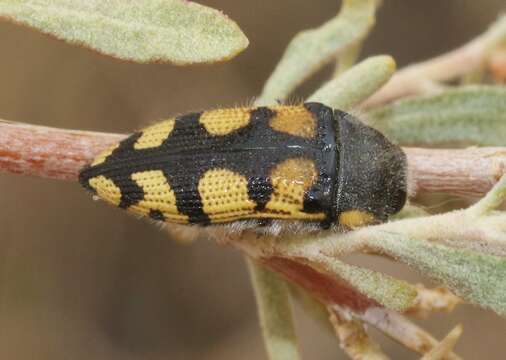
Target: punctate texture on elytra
x=306, y=163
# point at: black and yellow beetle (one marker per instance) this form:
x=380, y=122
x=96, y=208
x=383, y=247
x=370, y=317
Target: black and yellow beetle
x=306, y=164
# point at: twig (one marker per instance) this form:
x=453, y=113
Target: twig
x=417, y=78
x=60, y=154
x=464, y=172
x=444, y=348
x=49, y=152
x=403, y=331
x=353, y=338
x=491, y=201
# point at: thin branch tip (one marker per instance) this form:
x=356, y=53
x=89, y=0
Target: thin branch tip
x=427, y=76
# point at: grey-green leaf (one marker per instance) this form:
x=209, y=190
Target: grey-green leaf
x=273, y=302
x=176, y=31
x=311, y=49
x=357, y=83
x=390, y=292
x=478, y=278
x=466, y=115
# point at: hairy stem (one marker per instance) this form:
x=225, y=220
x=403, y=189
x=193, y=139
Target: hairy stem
x=60, y=154
x=353, y=338
x=463, y=172
x=419, y=78
x=49, y=152
x=400, y=329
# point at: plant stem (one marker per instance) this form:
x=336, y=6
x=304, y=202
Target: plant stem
x=400, y=329
x=60, y=154
x=353, y=337
x=413, y=79
x=444, y=348
x=49, y=152
x=462, y=172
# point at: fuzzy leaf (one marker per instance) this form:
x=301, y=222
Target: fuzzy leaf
x=311, y=49
x=464, y=115
x=273, y=303
x=477, y=278
x=176, y=31
x=392, y=293
x=347, y=58
x=356, y=84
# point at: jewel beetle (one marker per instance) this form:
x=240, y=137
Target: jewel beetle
x=307, y=164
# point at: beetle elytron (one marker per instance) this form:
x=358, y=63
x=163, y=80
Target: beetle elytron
x=305, y=164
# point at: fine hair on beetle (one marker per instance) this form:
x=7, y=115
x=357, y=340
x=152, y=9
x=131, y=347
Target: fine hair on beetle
x=273, y=169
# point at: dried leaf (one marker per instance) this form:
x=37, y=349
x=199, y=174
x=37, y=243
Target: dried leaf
x=429, y=301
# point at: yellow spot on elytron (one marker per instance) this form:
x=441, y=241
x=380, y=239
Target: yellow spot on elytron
x=294, y=120
x=103, y=155
x=290, y=180
x=154, y=135
x=224, y=121
x=158, y=195
x=224, y=195
x=106, y=189
x=356, y=218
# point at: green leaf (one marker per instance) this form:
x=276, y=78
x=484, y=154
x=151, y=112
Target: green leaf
x=477, y=278
x=464, y=115
x=176, y=31
x=357, y=83
x=311, y=49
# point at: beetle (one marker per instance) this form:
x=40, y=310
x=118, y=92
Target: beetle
x=306, y=164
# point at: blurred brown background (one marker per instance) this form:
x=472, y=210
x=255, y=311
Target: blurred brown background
x=80, y=280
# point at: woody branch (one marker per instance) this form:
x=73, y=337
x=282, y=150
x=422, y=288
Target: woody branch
x=60, y=154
